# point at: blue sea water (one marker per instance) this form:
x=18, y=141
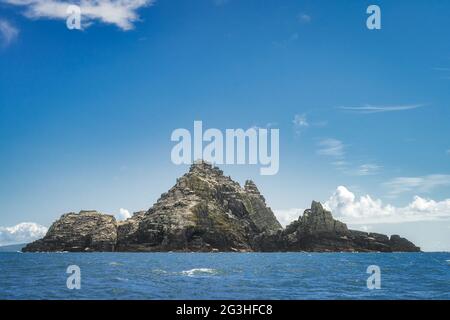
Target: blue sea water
x=224, y=275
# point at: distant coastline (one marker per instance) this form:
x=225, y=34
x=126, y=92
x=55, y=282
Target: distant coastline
x=12, y=247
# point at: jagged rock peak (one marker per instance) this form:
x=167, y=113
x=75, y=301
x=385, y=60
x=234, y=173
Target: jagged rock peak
x=205, y=168
x=319, y=220
x=251, y=188
x=316, y=207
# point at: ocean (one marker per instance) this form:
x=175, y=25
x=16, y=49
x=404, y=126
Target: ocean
x=224, y=275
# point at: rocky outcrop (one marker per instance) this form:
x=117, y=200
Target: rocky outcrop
x=83, y=231
x=398, y=243
x=261, y=215
x=204, y=211
x=207, y=211
x=317, y=231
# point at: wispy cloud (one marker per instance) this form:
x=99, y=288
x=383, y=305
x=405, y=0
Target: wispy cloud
x=422, y=184
x=336, y=150
x=377, y=109
x=122, y=13
x=300, y=120
x=8, y=33
x=368, y=169
x=448, y=151
x=266, y=126
x=331, y=147
x=444, y=72
x=341, y=164
x=304, y=18
x=300, y=123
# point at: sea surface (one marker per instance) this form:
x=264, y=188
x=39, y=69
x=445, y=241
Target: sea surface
x=224, y=275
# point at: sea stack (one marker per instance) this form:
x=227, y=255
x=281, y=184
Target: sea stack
x=206, y=211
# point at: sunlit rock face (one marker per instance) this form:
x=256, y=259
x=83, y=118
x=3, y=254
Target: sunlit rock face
x=83, y=231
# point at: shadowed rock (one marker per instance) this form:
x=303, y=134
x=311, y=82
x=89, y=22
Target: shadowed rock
x=318, y=231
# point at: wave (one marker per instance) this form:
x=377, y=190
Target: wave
x=121, y=279
x=159, y=271
x=199, y=272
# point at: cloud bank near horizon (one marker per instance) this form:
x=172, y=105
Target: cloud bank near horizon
x=348, y=208
x=21, y=233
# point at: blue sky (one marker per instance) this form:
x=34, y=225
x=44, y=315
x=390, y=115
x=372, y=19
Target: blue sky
x=86, y=116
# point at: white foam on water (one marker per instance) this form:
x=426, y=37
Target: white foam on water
x=159, y=271
x=199, y=271
x=121, y=279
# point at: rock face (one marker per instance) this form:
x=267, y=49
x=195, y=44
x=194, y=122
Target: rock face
x=83, y=231
x=317, y=231
x=204, y=211
x=207, y=211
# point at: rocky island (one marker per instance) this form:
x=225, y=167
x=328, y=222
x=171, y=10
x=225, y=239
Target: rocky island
x=207, y=211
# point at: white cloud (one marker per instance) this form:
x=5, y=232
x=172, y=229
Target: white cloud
x=123, y=214
x=423, y=184
x=331, y=147
x=287, y=216
x=376, y=109
x=122, y=13
x=367, y=210
x=21, y=233
x=8, y=33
